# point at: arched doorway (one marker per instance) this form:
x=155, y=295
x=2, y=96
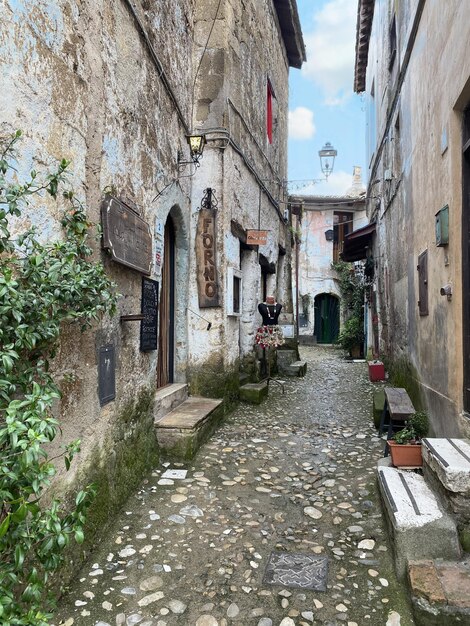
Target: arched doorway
x=326, y=318
x=166, y=329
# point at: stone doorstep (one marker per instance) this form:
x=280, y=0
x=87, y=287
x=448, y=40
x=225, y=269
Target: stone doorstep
x=168, y=398
x=190, y=414
x=182, y=432
x=441, y=584
x=254, y=393
x=449, y=460
x=420, y=528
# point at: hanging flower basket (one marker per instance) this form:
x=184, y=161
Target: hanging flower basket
x=405, y=455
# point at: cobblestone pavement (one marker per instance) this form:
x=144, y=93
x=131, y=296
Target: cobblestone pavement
x=276, y=490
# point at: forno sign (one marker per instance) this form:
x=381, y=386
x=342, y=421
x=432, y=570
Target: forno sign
x=207, y=276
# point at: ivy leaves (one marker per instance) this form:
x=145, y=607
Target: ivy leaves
x=43, y=284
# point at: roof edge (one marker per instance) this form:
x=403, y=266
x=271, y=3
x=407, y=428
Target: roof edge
x=291, y=30
x=365, y=15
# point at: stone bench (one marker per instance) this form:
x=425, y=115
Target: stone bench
x=397, y=409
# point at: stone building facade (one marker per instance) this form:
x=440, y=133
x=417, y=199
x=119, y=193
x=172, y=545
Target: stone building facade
x=117, y=87
x=413, y=64
x=326, y=221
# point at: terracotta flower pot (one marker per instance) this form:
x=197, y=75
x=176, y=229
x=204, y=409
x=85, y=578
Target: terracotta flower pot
x=405, y=454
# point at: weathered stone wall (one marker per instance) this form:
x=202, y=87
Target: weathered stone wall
x=245, y=50
x=419, y=171
x=80, y=80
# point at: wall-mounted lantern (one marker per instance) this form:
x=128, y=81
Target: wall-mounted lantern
x=329, y=234
x=196, y=146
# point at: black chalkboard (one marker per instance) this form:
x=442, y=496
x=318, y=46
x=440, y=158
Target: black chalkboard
x=149, y=309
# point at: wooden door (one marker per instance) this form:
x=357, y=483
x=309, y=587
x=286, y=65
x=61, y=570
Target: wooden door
x=466, y=260
x=166, y=331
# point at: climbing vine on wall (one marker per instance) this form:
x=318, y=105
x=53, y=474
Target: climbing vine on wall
x=43, y=284
x=352, y=287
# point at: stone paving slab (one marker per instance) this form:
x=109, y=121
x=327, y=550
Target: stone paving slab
x=288, y=476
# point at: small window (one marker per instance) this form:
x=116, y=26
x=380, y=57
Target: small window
x=234, y=292
x=269, y=111
x=393, y=43
x=343, y=225
x=423, y=283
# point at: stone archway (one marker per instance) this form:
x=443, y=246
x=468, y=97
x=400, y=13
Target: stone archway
x=172, y=339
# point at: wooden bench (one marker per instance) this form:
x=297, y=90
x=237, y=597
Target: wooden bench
x=398, y=408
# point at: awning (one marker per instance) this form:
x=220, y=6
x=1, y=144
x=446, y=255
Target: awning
x=357, y=243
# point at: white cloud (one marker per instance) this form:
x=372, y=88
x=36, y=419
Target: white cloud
x=301, y=125
x=331, y=50
x=337, y=185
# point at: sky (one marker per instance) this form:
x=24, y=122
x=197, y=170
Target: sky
x=322, y=104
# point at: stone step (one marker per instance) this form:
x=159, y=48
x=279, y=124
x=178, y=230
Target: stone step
x=446, y=467
x=440, y=592
x=254, y=393
x=419, y=525
x=182, y=431
x=298, y=368
x=168, y=398
x=285, y=358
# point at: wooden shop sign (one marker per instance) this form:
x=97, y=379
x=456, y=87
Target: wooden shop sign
x=126, y=235
x=256, y=237
x=206, y=259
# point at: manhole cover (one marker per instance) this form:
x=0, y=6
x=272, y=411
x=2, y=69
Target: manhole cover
x=297, y=570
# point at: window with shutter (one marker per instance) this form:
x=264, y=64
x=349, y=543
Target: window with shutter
x=423, y=283
x=269, y=112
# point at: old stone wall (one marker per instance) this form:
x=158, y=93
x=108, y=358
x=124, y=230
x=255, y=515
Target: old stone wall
x=86, y=81
x=245, y=170
x=418, y=168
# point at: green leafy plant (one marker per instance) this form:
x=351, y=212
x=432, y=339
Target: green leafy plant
x=43, y=284
x=352, y=288
x=416, y=428
x=352, y=333
x=420, y=424
x=404, y=436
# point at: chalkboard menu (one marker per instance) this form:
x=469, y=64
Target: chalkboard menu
x=149, y=325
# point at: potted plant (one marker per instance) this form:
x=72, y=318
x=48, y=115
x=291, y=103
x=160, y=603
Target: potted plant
x=405, y=445
x=351, y=337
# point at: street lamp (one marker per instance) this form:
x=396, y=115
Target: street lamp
x=196, y=146
x=327, y=159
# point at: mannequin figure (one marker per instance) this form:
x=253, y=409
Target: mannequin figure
x=269, y=335
x=270, y=311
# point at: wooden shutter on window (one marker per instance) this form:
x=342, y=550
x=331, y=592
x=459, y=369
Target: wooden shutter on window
x=423, y=283
x=269, y=113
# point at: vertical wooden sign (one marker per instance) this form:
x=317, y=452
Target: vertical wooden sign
x=206, y=260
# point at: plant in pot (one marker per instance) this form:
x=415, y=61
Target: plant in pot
x=405, y=446
x=351, y=337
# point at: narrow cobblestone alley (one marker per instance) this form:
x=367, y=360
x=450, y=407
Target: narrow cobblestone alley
x=294, y=475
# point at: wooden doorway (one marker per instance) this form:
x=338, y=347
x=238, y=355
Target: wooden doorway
x=326, y=318
x=166, y=331
x=466, y=260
